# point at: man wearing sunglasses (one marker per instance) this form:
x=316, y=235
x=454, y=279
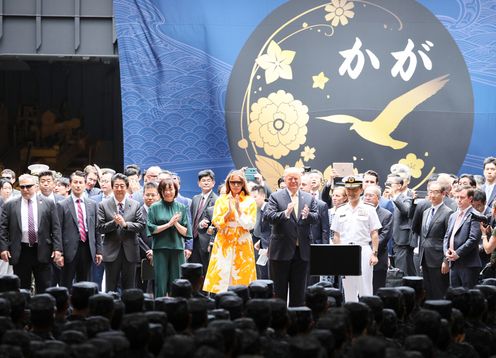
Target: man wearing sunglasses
x=30, y=236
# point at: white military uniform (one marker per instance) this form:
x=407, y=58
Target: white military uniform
x=354, y=227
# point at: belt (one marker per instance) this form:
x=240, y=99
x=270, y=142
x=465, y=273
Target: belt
x=29, y=245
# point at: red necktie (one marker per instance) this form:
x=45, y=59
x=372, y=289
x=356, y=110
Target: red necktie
x=82, y=228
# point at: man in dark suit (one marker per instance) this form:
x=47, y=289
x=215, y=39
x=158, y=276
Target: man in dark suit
x=47, y=186
x=490, y=177
x=105, y=193
x=82, y=243
x=201, y=214
x=461, y=242
x=372, y=196
x=150, y=196
x=46, y=181
x=319, y=232
x=431, y=256
x=261, y=232
x=91, y=177
x=30, y=235
x=120, y=219
x=290, y=212
x=403, y=250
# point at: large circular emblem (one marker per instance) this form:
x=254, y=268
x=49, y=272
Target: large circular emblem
x=369, y=82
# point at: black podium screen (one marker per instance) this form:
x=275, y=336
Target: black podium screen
x=335, y=260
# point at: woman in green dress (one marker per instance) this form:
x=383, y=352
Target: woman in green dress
x=168, y=224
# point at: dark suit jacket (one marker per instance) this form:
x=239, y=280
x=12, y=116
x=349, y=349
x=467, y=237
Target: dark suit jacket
x=116, y=236
x=204, y=238
x=320, y=231
x=70, y=228
x=49, y=235
x=263, y=229
x=490, y=200
x=286, y=231
x=467, y=238
x=432, y=237
x=144, y=241
x=401, y=222
x=385, y=233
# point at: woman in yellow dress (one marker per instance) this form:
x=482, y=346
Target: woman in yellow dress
x=232, y=261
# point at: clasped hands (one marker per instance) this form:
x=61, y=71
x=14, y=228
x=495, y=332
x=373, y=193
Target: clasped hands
x=233, y=204
x=119, y=220
x=304, y=212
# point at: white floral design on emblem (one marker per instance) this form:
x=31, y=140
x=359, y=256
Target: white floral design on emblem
x=276, y=63
x=339, y=11
x=278, y=123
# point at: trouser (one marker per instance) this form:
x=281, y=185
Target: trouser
x=290, y=274
x=167, y=266
x=357, y=286
x=28, y=265
x=466, y=277
x=80, y=266
x=403, y=259
x=120, y=266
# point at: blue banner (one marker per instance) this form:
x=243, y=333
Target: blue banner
x=222, y=84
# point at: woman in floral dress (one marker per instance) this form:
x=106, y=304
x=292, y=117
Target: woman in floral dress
x=232, y=261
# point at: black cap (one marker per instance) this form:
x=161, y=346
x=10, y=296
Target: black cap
x=97, y=324
x=9, y=283
x=234, y=304
x=489, y=293
x=191, y=271
x=443, y=307
x=4, y=307
x=336, y=294
x=269, y=283
x=133, y=300
x=219, y=313
x=220, y=295
x=489, y=281
x=81, y=292
x=375, y=304
x=260, y=289
x=181, y=288
x=61, y=295
x=42, y=309
x=241, y=291
x=72, y=337
x=101, y=304
x=415, y=282
x=408, y=296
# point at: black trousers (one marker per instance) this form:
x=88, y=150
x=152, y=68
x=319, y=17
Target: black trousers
x=379, y=279
x=464, y=276
x=80, y=267
x=121, y=266
x=290, y=274
x=198, y=256
x=28, y=265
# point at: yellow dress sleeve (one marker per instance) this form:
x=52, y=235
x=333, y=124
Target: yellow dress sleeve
x=248, y=213
x=220, y=209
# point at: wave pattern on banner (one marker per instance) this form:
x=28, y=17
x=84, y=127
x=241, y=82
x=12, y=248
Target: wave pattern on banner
x=172, y=94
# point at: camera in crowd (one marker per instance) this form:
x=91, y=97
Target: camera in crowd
x=480, y=218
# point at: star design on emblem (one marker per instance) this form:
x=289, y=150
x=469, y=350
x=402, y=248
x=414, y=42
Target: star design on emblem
x=319, y=81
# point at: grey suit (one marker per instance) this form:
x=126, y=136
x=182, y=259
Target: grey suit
x=120, y=244
x=431, y=251
x=385, y=233
x=201, y=241
x=289, y=248
x=31, y=260
x=78, y=256
x=464, y=271
x=403, y=251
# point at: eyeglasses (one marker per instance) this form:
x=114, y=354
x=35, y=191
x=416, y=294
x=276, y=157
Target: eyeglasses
x=29, y=186
x=235, y=182
x=8, y=178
